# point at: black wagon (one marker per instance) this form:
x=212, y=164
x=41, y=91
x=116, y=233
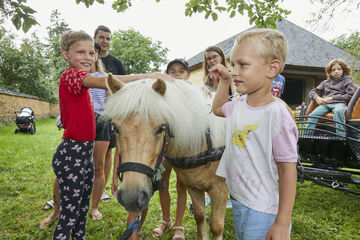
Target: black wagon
x=326, y=157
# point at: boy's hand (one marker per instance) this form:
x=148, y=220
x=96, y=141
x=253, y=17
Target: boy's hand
x=328, y=99
x=320, y=100
x=220, y=72
x=278, y=232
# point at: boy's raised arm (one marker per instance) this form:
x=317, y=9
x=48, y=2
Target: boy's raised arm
x=222, y=92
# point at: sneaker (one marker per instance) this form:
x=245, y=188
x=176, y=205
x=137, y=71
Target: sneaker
x=191, y=207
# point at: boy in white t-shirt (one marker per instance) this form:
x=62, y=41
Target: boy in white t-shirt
x=259, y=162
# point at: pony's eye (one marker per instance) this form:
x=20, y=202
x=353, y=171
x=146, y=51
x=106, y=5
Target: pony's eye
x=160, y=129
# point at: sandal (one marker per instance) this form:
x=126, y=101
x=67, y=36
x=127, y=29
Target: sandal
x=179, y=236
x=157, y=232
x=48, y=205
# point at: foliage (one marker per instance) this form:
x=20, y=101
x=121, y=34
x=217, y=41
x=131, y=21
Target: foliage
x=262, y=13
x=56, y=63
x=26, y=180
x=139, y=53
x=330, y=8
x=23, y=70
x=20, y=14
x=351, y=44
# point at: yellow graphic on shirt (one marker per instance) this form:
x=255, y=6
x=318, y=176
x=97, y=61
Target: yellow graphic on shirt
x=239, y=137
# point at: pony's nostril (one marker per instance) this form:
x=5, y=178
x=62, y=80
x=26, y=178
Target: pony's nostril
x=143, y=199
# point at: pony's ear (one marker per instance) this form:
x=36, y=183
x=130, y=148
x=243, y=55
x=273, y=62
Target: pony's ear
x=159, y=86
x=113, y=84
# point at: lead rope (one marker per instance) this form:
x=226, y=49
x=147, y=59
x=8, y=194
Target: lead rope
x=132, y=228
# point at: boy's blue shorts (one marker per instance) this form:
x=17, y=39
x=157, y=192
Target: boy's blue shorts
x=251, y=224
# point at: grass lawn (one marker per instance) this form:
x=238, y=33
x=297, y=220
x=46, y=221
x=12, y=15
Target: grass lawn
x=26, y=180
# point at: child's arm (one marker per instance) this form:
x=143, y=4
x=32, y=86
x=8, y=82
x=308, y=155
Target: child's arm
x=100, y=82
x=91, y=81
x=287, y=191
x=131, y=78
x=222, y=93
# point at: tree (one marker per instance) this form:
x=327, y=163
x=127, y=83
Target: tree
x=23, y=70
x=139, y=53
x=330, y=8
x=264, y=13
x=20, y=14
x=351, y=44
x=56, y=63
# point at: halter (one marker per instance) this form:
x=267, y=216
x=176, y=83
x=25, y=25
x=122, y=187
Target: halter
x=203, y=158
x=145, y=169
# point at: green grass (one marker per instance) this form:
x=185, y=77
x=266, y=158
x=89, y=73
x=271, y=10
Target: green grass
x=26, y=179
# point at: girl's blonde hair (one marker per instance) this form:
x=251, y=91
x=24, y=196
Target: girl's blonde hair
x=271, y=44
x=70, y=37
x=99, y=66
x=345, y=67
x=218, y=50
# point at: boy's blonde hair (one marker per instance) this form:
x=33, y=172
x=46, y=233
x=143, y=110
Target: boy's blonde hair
x=70, y=37
x=345, y=67
x=271, y=44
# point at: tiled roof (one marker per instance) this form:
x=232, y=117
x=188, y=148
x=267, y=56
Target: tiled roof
x=305, y=48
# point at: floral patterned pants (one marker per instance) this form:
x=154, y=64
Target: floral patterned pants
x=74, y=167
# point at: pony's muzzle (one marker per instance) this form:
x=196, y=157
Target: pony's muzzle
x=134, y=201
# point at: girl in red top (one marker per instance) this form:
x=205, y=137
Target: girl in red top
x=72, y=161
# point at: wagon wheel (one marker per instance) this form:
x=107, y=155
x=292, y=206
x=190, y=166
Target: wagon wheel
x=335, y=179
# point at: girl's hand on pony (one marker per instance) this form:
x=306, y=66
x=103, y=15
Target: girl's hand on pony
x=162, y=76
x=220, y=72
x=206, y=91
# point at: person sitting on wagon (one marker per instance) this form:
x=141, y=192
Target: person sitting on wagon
x=335, y=92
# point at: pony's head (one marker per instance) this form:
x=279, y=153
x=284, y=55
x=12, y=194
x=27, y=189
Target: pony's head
x=146, y=115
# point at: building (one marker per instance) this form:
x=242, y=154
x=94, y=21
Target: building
x=304, y=69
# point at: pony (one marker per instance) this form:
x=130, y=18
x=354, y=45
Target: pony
x=153, y=117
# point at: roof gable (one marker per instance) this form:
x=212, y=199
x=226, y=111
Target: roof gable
x=305, y=48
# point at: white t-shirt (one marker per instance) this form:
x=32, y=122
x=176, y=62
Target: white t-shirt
x=256, y=138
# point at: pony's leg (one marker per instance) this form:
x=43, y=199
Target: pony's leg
x=218, y=197
x=198, y=201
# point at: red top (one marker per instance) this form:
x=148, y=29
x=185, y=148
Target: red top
x=76, y=106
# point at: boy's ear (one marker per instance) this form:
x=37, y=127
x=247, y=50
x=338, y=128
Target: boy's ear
x=274, y=68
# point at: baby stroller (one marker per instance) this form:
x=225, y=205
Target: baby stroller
x=25, y=121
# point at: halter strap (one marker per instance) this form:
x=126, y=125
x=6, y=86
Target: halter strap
x=142, y=168
x=203, y=158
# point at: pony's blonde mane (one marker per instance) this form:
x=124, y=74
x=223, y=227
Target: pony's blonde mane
x=184, y=107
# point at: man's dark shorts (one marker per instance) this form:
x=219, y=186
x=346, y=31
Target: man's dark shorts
x=103, y=129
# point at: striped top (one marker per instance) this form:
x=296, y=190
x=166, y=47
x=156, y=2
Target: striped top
x=98, y=96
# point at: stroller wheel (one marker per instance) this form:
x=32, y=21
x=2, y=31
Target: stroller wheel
x=32, y=131
x=16, y=131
